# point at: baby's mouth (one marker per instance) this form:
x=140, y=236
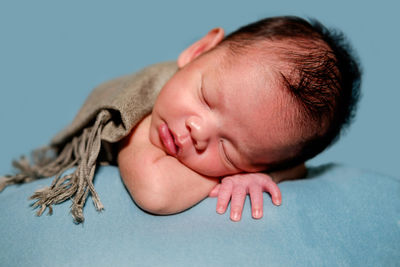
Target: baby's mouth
x=168, y=139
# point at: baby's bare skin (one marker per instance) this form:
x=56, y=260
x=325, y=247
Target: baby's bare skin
x=205, y=125
x=158, y=182
x=161, y=184
x=234, y=189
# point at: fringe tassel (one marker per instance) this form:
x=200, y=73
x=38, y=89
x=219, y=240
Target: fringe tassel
x=82, y=152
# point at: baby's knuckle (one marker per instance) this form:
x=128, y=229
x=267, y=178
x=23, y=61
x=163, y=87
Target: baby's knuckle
x=238, y=192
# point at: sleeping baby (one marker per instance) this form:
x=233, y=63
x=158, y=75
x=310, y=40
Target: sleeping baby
x=266, y=98
x=241, y=114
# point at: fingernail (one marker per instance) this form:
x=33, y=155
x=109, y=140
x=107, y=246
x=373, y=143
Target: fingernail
x=257, y=214
x=235, y=216
x=220, y=210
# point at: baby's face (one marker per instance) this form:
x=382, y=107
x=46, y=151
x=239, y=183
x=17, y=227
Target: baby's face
x=221, y=118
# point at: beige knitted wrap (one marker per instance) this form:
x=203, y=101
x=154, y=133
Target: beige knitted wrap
x=109, y=114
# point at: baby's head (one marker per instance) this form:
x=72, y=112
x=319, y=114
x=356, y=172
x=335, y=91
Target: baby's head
x=270, y=95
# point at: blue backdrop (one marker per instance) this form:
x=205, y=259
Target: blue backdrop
x=52, y=55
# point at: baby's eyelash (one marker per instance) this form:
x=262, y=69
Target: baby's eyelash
x=226, y=155
x=203, y=96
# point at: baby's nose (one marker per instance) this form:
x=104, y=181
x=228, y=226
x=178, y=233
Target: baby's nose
x=200, y=145
x=199, y=131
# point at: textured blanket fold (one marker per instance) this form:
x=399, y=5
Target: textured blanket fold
x=109, y=114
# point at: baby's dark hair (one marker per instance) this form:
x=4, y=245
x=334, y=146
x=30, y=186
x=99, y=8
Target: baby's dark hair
x=324, y=76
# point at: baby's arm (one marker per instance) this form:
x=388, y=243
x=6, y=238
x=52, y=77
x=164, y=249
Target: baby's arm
x=235, y=188
x=158, y=182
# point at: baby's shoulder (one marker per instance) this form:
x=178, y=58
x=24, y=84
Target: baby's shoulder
x=138, y=136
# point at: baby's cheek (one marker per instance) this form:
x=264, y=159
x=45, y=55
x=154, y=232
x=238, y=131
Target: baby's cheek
x=154, y=138
x=207, y=166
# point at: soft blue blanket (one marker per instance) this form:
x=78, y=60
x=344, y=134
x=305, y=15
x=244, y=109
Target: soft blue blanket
x=337, y=216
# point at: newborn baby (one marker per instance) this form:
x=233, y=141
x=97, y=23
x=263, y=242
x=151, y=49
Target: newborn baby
x=242, y=113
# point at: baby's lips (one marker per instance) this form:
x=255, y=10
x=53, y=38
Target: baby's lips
x=167, y=139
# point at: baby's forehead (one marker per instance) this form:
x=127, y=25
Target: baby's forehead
x=267, y=62
x=278, y=54
x=262, y=50
x=253, y=62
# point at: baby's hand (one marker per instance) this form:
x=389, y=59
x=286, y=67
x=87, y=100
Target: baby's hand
x=236, y=187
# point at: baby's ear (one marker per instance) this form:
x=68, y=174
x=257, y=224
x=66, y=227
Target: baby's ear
x=206, y=43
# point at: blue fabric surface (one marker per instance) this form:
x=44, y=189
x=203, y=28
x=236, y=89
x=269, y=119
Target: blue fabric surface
x=337, y=216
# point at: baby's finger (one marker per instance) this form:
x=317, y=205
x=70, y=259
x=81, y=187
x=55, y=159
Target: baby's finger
x=224, y=195
x=272, y=188
x=256, y=198
x=237, y=202
x=214, y=191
